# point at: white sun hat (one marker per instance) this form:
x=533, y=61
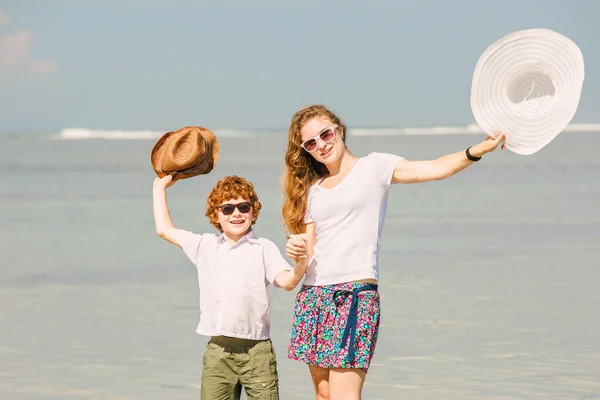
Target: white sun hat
x=528, y=85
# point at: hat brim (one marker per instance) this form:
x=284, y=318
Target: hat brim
x=527, y=84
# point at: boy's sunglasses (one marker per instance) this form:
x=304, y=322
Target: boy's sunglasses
x=326, y=135
x=228, y=209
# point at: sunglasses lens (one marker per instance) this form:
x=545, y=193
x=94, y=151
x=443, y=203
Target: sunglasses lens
x=327, y=135
x=310, y=145
x=227, y=209
x=244, y=207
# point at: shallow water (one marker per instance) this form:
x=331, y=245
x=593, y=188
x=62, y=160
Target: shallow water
x=489, y=280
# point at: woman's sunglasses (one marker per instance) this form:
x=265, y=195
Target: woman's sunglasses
x=326, y=135
x=228, y=209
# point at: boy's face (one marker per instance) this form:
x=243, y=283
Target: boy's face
x=236, y=224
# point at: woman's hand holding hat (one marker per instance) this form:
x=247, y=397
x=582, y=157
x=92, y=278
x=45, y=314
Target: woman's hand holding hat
x=488, y=145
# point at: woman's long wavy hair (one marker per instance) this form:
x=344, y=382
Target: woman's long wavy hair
x=302, y=170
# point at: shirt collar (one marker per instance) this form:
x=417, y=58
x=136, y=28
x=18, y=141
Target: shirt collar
x=249, y=237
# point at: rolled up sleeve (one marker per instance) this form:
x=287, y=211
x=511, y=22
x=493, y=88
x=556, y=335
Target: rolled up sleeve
x=191, y=245
x=274, y=262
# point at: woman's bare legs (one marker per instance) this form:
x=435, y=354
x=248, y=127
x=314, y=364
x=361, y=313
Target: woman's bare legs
x=320, y=378
x=337, y=383
x=346, y=383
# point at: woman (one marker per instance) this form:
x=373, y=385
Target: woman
x=338, y=202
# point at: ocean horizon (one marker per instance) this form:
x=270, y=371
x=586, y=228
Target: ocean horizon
x=75, y=133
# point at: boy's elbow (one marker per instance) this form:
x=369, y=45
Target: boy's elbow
x=162, y=234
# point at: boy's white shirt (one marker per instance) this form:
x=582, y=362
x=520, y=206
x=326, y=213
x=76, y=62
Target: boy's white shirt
x=233, y=280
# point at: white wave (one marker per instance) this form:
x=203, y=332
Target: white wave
x=454, y=130
x=433, y=130
x=83, y=134
x=236, y=133
x=583, y=128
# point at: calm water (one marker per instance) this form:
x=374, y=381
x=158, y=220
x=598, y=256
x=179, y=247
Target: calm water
x=489, y=280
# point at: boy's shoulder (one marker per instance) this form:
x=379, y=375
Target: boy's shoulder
x=263, y=241
x=192, y=240
x=205, y=237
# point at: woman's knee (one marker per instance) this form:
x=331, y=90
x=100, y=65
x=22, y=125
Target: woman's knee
x=322, y=391
x=346, y=384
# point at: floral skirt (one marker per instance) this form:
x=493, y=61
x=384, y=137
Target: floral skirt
x=335, y=326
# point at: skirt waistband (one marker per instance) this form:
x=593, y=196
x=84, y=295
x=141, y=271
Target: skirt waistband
x=346, y=286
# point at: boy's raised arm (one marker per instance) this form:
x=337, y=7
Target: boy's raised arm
x=162, y=218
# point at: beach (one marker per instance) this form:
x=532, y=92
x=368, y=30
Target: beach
x=488, y=280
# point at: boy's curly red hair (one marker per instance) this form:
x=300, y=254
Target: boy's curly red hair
x=228, y=188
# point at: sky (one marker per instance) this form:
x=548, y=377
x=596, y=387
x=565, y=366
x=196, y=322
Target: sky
x=162, y=64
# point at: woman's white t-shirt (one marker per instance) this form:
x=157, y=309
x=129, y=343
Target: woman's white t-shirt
x=348, y=220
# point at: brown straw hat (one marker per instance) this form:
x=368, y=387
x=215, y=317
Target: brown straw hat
x=187, y=152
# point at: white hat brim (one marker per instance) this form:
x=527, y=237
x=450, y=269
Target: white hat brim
x=528, y=85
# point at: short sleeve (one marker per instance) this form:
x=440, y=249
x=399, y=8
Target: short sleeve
x=384, y=165
x=190, y=244
x=307, y=215
x=274, y=261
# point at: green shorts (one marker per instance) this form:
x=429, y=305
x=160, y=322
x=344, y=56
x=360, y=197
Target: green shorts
x=230, y=364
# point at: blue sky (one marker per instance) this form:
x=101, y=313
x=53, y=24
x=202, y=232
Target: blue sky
x=159, y=64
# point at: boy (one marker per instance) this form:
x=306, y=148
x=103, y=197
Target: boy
x=234, y=270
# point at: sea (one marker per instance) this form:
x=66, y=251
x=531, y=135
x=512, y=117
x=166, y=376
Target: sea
x=489, y=280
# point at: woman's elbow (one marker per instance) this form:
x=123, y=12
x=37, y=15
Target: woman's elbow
x=288, y=286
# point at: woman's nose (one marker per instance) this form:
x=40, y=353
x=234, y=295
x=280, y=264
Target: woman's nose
x=321, y=144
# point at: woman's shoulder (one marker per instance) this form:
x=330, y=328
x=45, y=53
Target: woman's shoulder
x=378, y=158
x=377, y=155
x=314, y=186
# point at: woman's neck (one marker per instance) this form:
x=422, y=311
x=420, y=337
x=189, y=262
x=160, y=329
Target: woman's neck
x=345, y=162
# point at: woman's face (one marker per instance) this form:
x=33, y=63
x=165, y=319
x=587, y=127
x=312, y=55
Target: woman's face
x=323, y=140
